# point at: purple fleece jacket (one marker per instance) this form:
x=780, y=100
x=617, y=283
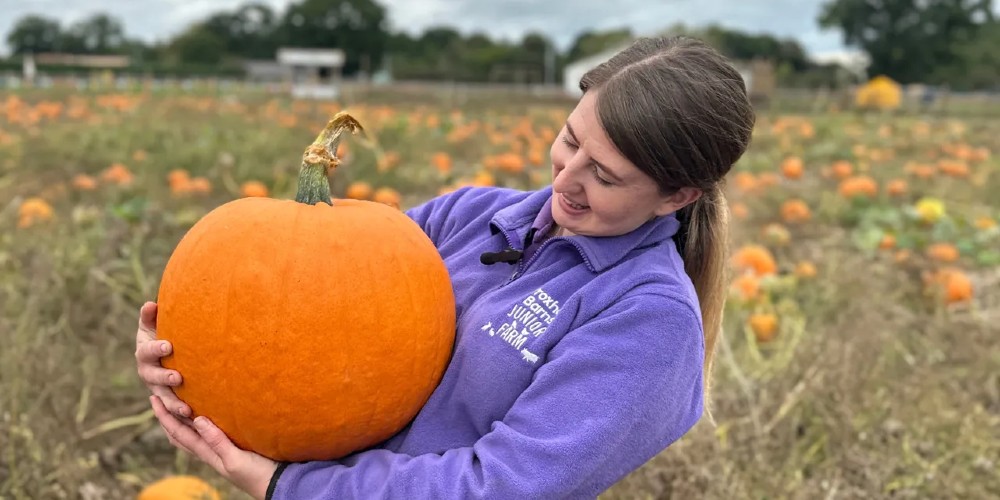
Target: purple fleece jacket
x=570, y=369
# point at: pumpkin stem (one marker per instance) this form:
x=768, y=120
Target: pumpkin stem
x=321, y=157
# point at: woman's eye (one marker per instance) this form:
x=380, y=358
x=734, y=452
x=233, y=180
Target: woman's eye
x=593, y=167
x=600, y=179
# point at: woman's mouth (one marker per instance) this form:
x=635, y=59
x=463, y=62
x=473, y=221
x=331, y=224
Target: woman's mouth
x=572, y=206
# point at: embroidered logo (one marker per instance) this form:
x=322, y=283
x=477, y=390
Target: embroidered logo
x=527, y=319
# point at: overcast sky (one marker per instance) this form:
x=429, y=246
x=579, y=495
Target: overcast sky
x=561, y=20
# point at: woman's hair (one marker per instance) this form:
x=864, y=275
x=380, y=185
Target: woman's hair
x=678, y=110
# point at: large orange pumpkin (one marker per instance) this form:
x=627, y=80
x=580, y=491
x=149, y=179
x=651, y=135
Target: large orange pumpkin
x=307, y=329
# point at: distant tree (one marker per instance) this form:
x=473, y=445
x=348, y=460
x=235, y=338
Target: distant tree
x=140, y=52
x=481, y=57
x=589, y=43
x=534, y=46
x=33, y=34
x=908, y=40
x=741, y=45
x=198, y=45
x=977, y=62
x=438, y=39
x=251, y=31
x=531, y=56
x=98, y=34
x=358, y=27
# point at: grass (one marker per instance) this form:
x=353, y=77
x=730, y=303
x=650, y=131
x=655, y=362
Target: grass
x=871, y=387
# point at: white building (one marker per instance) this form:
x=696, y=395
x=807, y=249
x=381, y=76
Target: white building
x=314, y=73
x=855, y=62
x=575, y=69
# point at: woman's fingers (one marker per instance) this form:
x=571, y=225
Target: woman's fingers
x=160, y=381
x=171, y=424
x=171, y=401
x=185, y=436
x=157, y=375
x=173, y=441
x=152, y=350
x=148, y=352
x=147, y=318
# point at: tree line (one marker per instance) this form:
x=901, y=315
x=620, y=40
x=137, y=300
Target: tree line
x=912, y=41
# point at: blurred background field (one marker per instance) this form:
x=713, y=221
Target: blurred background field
x=860, y=357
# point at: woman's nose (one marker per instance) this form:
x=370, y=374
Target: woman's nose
x=567, y=179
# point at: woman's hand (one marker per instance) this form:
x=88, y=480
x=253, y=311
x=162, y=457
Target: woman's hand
x=248, y=471
x=199, y=437
x=148, y=351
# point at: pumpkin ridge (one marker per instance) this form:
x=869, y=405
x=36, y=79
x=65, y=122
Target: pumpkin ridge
x=408, y=341
x=290, y=258
x=184, y=268
x=269, y=399
x=412, y=301
x=431, y=381
x=261, y=221
x=227, y=411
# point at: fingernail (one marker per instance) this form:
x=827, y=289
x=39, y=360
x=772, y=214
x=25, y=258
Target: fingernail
x=164, y=347
x=200, y=423
x=172, y=378
x=182, y=411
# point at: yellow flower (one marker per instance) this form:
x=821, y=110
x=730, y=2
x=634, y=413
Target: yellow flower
x=930, y=210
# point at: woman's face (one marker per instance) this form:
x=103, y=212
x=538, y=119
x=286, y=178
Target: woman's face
x=596, y=190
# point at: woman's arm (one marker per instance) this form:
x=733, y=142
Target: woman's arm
x=435, y=215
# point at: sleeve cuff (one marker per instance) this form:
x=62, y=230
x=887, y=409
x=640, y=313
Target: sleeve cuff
x=271, y=485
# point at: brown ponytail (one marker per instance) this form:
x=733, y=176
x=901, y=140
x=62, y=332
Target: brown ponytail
x=703, y=243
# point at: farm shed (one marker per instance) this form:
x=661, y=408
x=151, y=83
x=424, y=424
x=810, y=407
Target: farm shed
x=314, y=73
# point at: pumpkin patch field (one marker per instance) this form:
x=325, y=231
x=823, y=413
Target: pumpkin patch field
x=861, y=352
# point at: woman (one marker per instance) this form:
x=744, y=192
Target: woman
x=587, y=311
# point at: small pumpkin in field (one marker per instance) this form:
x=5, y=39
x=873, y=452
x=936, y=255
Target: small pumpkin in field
x=764, y=326
x=179, y=488
x=307, y=329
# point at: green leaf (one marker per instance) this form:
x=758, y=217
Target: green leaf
x=130, y=210
x=965, y=246
x=944, y=230
x=868, y=238
x=988, y=258
x=906, y=240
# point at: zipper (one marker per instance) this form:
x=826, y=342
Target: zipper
x=522, y=265
x=518, y=267
x=582, y=253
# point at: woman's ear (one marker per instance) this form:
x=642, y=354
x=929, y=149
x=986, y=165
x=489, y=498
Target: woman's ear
x=678, y=200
